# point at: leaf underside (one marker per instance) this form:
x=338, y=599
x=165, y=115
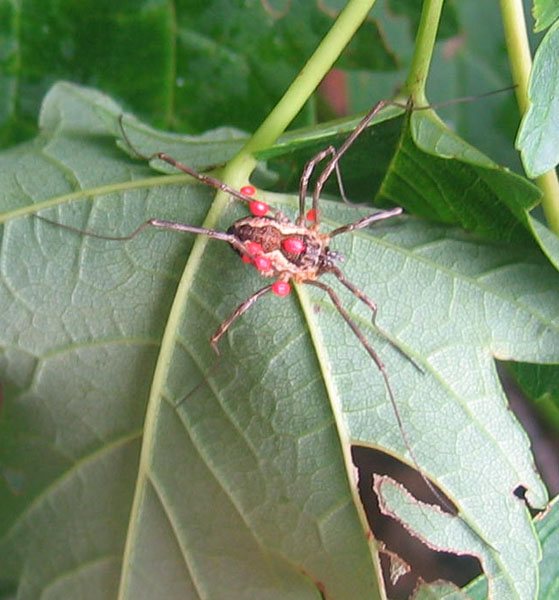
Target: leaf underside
x=245, y=489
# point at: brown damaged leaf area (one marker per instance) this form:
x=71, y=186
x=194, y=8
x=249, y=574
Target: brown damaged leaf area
x=397, y=503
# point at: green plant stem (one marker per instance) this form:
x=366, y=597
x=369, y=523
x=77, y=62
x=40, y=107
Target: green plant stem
x=423, y=51
x=301, y=89
x=549, y=185
x=518, y=49
x=520, y=60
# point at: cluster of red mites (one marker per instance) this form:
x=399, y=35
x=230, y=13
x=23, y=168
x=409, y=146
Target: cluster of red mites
x=257, y=258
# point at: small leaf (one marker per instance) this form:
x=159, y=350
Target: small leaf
x=450, y=534
x=439, y=590
x=545, y=12
x=538, y=137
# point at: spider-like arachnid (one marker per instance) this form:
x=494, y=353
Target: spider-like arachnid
x=278, y=247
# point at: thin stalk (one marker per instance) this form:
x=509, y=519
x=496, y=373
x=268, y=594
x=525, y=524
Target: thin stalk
x=520, y=59
x=518, y=49
x=329, y=49
x=423, y=51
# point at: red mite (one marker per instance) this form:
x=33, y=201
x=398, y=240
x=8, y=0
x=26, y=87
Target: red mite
x=294, y=245
x=248, y=190
x=258, y=209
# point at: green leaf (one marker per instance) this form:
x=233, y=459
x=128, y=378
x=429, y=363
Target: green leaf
x=186, y=65
x=147, y=465
x=545, y=12
x=445, y=532
x=538, y=138
x=540, y=383
x=426, y=168
x=547, y=528
x=439, y=591
x=457, y=184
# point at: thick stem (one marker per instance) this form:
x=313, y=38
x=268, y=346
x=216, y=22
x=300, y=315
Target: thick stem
x=520, y=60
x=329, y=49
x=423, y=51
x=518, y=49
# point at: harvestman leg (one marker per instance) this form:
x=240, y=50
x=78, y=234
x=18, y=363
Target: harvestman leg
x=212, y=233
x=206, y=179
x=374, y=310
x=336, y=154
x=304, y=183
x=332, y=164
x=345, y=315
x=364, y=341
x=240, y=310
x=366, y=221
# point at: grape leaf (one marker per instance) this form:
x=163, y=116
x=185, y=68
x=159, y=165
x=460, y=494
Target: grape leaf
x=146, y=465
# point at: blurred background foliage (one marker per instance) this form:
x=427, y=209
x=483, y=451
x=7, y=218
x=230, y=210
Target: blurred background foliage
x=190, y=66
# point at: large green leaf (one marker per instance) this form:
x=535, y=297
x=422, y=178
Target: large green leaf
x=245, y=487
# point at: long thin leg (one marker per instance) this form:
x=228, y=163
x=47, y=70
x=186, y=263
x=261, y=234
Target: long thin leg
x=304, y=184
x=213, y=182
x=206, y=179
x=323, y=177
x=366, y=221
x=336, y=155
x=374, y=309
x=337, y=303
x=205, y=379
x=212, y=233
x=241, y=309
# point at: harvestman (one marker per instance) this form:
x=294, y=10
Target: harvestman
x=289, y=250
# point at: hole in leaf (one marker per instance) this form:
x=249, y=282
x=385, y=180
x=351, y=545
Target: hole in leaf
x=425, y=564
x=520, y=492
